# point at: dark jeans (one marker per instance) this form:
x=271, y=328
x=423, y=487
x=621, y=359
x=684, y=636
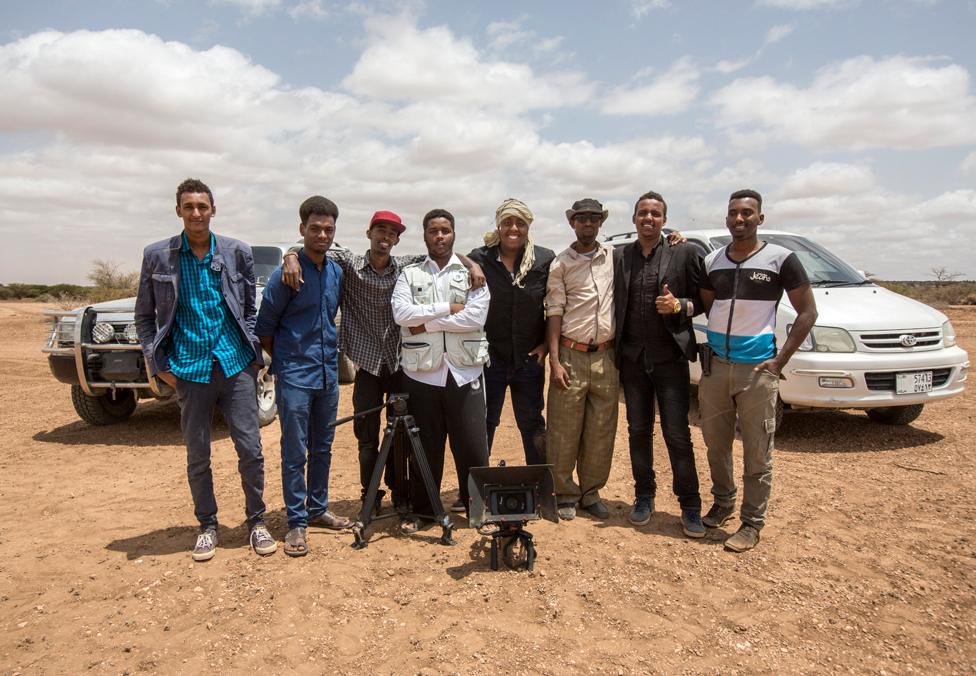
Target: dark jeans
x=442, y=413
x=369, y=391
x=527, y=383
x=668, y=384
x=236, y=397
x=304, y=415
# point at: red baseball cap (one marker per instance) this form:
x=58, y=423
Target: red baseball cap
x=388, y=217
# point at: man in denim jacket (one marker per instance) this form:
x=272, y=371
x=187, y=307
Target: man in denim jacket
x=195, y=315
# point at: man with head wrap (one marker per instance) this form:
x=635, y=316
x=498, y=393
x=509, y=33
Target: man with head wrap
x=517, y=272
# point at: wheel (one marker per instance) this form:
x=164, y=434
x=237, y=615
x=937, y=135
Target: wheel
x=267, y=405
x=106, y=409
x=895, y=415
x=515, y=554
x=347, y=369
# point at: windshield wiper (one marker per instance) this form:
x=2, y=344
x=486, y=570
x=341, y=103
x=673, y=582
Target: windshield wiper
x=831, y=283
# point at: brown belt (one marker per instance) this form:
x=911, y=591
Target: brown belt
x=585, y=347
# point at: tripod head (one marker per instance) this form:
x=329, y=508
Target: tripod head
x=396, y=404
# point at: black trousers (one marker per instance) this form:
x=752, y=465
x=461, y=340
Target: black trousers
x=369, y=391
x=442, y=413
x=667, y=383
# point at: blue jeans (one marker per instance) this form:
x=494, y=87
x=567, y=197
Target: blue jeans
x=527, y=382
x=304, y=415
x=668, y=384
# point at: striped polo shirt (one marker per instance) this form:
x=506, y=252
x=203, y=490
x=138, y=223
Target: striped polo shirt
x=742, y=320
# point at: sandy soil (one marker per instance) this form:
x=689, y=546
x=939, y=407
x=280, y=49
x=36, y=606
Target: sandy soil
x=866, y=564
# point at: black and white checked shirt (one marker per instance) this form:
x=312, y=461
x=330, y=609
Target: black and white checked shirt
x=367, y=333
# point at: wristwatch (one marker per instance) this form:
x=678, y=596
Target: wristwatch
x=677, y=307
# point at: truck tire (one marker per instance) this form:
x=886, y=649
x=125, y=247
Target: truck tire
x=104, y=409
x=267, y=404
x=895, y=415
x=347, y=369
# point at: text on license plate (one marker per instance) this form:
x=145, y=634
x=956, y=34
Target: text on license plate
x=912, y=383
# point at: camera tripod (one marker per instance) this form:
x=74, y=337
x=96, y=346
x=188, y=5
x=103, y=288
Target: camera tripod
x=401, y=437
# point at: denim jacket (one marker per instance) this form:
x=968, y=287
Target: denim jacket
x=159, y=284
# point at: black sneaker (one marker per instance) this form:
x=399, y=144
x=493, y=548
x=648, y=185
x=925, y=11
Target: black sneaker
x=641, y=513
x=717, y=515
x=691, y=523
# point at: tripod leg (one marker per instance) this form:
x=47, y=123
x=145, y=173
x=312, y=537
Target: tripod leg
x=420, y=457
x=529, y=551
x=366, y=515
x=494, y=553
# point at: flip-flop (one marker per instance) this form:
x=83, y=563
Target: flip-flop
x=295, y=544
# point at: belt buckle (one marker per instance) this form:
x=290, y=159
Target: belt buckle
x=592, y=348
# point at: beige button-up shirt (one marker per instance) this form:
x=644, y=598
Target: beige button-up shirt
x=580, y=289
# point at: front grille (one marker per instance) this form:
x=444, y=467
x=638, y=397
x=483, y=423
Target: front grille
x=884, y=381
x=892, y=340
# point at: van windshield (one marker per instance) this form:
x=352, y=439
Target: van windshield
x=266, y=259
x=822, y=267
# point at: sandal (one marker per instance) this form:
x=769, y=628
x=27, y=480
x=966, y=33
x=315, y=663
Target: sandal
x=295, y=544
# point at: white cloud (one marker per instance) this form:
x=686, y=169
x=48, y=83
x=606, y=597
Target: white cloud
x=405, y=63
x=250, y=8
x=309, y=9
x=802, y=5
x=671, y=92
x=968, y=165
x=861, y=103
x=827, y=178
x=778, y=33
x=641, y=7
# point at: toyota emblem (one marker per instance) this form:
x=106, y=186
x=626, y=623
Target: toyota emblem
x=908, y=340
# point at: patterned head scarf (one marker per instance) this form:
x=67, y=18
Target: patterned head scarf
x=517, y=208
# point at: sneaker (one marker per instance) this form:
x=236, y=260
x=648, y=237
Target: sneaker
x=458, y=506
x=296, y=542
x=567, y=512
x=261, y=541
x=743, y=539
x=329, y=520
x=717, y=515
x=411, y=525
x=206, y=545
x=641, y=513
x=598, y=509
x=691, y=523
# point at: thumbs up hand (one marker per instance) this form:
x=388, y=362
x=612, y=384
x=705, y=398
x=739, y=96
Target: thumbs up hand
x=667, y=302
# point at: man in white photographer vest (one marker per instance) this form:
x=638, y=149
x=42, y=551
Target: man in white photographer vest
x=443, y=350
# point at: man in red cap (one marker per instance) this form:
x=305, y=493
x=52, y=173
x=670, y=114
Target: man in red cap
x=367, y=333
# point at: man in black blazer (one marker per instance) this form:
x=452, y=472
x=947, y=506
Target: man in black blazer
x=655, y=296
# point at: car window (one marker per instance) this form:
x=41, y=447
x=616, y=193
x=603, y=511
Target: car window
x=822, y=267
x=266, y=259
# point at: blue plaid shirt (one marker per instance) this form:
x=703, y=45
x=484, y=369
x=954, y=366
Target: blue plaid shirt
x=203, y=329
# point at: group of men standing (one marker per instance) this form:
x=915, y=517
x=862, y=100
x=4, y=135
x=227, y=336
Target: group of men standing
x=430, y=326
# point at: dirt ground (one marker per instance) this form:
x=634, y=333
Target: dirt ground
x=867, y=564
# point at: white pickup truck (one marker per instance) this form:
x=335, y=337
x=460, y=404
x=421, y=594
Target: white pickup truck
x=95, y=349
x=871, y=349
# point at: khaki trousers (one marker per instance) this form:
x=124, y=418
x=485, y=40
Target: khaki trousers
x=736, y=392
x=582, y=424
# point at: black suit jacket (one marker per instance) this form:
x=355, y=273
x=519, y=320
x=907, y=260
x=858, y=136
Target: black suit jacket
x=682, y=269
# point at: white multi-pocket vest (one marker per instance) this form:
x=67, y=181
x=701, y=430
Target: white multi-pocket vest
x=425, y=351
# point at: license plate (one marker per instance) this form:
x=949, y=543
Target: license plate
x=912, y=383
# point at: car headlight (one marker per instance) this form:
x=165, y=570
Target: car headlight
x=131, y=334
x=826, y=339
x=948, y=335
x=102, y=332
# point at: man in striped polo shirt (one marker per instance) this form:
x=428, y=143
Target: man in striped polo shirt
x=744, y=283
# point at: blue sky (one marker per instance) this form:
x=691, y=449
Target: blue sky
x=856, y=119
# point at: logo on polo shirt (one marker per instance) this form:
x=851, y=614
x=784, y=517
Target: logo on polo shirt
x=758, y=276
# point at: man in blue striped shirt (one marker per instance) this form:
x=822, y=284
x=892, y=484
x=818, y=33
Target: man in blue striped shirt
x=195, y=316
x=298, y=329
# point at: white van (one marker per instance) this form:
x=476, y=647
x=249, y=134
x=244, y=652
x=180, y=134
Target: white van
x=870, y=349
